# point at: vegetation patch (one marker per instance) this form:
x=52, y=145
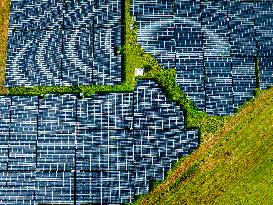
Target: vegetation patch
x=4, y=22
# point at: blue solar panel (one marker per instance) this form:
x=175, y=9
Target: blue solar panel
x=242, y=35
x=22, y=151
x=218, y=85
x=57, y=187
x=24, y=111
x=112, y=111
x=264, y=25
x=153, y=110
x=33, y=15
x=34, y=58
x=156, y=29
x=244, y=80
x=107, y=66
x=215, y=28
x=50, y=53
x=105, y=187
x=78, y=14
x=17, y=187
x=107, y=12
x=266, y=72
x=5, y=103
x=56, y=151
x=89, y=143
x=57, y=113
x=190, y=77
x=170, y=143
x=105, y=150
x=152, y=7
x=188, y=36
x=77, y=64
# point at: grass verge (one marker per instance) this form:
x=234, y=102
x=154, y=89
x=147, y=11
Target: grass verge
x=4, y=22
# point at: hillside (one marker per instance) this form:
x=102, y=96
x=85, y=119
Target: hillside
x=235, y=166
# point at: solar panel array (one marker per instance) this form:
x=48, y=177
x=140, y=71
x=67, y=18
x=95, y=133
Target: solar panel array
x=214, y=44
x=156, y=28
x=101, y=149
x=58, y=42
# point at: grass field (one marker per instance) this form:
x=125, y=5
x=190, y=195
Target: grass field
x=235, y=166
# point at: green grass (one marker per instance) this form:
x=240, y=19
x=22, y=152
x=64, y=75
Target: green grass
x=234, y=167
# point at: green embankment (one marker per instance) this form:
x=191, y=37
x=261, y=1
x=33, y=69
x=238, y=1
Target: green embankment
x=235, y=166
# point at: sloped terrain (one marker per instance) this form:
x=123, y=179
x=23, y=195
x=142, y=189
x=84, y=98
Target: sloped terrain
x=235, y=166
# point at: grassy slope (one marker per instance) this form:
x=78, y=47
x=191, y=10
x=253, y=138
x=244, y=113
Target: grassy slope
x=235, y=166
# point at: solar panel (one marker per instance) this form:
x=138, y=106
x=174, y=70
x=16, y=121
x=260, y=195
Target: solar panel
x=242, y=35
x=56, y=151
x=264, y=24
x=266, y=72
x=107, y=12
x=218, y=85
x=156, y=143
x=153, y=110
x=17, y=187
x=190, y=77
x=53, y=43
x=78, y=57
x=57, y=113
x=105, y=187
x=154, y=7
x=105, y=150
x=34, y=58
x=215, y=28
x=156, y=29
x=244, y=79
x=107, y=66
x=57, y=187
x=78, y=14
x=111, y=111
x=33, y=15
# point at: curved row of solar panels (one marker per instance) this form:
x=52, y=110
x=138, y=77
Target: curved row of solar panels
x=101, y=149
x=58, y=42
x=212, y=45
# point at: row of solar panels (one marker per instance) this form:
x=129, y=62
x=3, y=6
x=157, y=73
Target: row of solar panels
x=212, y=26
x=70, y=57
x=90, y=150
x=202, y=39
x=63, y=14
x=217, y=85
x=63, y=43
x=150, y=156
x=146, y=108
x=103, y=149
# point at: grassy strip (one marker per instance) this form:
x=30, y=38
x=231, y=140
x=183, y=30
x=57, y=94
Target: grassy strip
x=4, y=20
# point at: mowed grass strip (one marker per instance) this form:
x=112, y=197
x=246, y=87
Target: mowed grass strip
x=4, y=23
x=235, y=166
